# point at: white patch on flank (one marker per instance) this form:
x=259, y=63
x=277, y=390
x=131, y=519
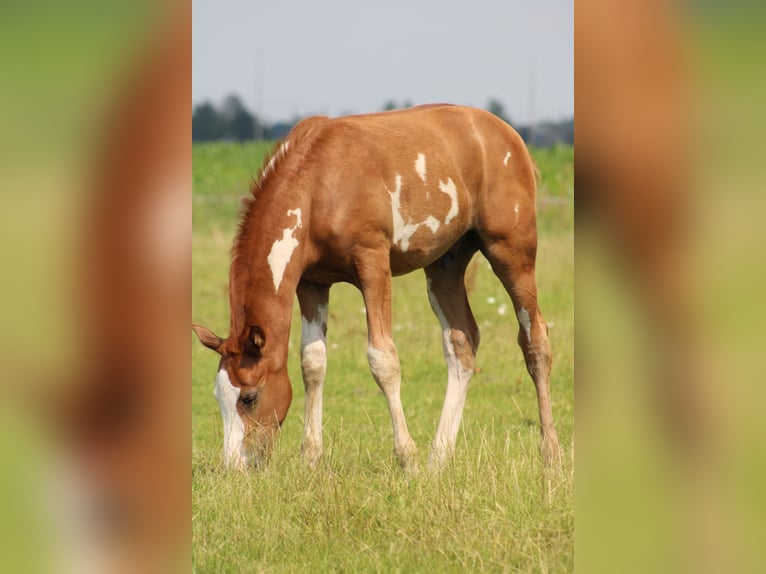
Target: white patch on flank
x=283, y=248
x=402, y=231
x=523, y=316
x=507, y=157
x=281, y=152
x=233, y=427
x=432, y=223
x=449, y=188
x=420, y=166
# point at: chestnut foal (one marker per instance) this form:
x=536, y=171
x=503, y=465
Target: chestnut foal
x=361, y=199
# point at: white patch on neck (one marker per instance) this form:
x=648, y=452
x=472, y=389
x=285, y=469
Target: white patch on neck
x=233, y=427
x=507, y=157
x=523, y=316
x=450, y=189
x=283, y=248
x=420, y=166
x=281, y=152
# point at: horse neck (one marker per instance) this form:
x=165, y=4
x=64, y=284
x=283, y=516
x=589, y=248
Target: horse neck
x=266, y=270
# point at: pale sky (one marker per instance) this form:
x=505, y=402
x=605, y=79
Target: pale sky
x=298, y=57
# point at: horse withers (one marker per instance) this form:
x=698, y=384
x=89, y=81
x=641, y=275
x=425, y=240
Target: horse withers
x=360, y=199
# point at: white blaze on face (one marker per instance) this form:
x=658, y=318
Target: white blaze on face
x=449, y=188
x=233, y=426
x=420, y=166
x=507, y=157
x=283, y=248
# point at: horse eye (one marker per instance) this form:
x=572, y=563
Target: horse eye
x=249, y=399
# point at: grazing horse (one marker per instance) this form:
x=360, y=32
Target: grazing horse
x=361, y=199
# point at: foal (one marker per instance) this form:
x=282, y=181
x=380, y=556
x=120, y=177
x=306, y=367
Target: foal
x=360, y=199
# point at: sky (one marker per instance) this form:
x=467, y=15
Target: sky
x=293, y=58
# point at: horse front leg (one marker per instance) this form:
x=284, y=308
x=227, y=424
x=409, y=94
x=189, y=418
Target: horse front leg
x=374, y=272
x=313, y=300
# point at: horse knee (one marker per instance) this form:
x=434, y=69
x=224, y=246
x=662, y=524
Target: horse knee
x=464, y=349
x=384, y=364
x=314, y=363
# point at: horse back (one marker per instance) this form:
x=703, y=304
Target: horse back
x=421, y=177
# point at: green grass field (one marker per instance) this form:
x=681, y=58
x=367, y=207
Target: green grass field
x=491, y=510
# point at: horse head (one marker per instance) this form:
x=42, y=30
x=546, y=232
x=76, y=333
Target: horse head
x=253, y=392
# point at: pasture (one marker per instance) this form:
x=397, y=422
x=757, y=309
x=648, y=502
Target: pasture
x=492, y=509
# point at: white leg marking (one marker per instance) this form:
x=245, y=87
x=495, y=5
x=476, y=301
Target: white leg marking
x=282, y=249
x=314, y=367
x=507, y=157
x=281, y=152
x=386, y=370
x=523, y=316
x=449, y=188
x=457, y=389
x=233, y=427
x=420, y=166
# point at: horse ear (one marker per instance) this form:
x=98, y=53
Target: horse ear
x=255, y=341
x=208, y=338
x=257, y=336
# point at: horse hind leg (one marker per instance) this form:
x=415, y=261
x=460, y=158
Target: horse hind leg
x=460, y=341
x=513, y=261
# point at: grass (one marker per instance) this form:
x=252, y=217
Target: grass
x=491, y=510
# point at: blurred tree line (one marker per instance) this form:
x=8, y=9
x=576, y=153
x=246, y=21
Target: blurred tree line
x=232, y=121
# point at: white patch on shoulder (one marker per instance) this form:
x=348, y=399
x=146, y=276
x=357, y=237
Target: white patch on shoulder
x=507, y=157
x=233, y=427
x=282, y=249
x=281, y=152
x=523, y=316
x=420, y=166
x=449, y=188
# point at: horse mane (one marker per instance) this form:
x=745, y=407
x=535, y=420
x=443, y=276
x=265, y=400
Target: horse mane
x=272, y=163
x=272, y=167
